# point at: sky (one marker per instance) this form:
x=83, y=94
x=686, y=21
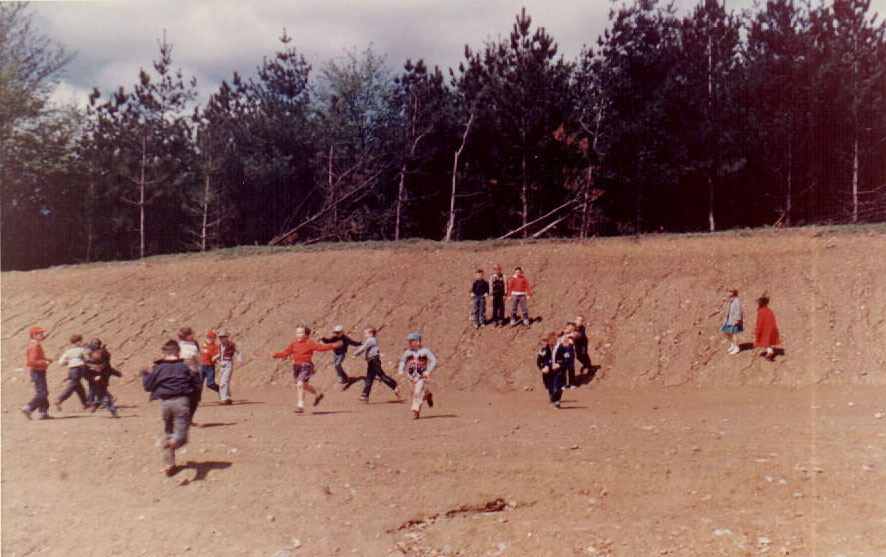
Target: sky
x=211, y=39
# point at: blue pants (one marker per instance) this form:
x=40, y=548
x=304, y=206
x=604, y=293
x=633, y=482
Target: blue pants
x=553, y=381
x=40, y=402
x=479, y=311
x=75, y=374
x=373, y=370
x=103, y=398
x=207, y=373
x=337, y=360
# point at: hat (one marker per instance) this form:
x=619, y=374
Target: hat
x=211, y=334
x=338, y=329
x=36, y=329
x=96, y=342
x=222, y=333
x=413, y=336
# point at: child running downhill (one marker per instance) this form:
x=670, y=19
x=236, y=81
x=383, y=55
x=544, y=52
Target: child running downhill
x=302, y=350
x=373, y=365
x=417, y=363
x=75, y=358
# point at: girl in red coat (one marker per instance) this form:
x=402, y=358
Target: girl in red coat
x=766, y=333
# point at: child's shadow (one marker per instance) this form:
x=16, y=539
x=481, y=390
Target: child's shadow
x=745, y=346
x=203, y=468
x=351, y=381
x=587, y=377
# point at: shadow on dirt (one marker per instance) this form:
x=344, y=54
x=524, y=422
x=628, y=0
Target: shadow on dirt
x=214, y=424
x=203, y=468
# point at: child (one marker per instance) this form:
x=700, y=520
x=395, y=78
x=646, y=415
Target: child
x=339, y=353
x=544, y=361
x=208, y=357
x=732, y=323
x=37, y=365
x=766, y=332
x=498, y=296
x=99, y=372
x=105, y=357
x=479, y=290
x=302, y=350
x=74, y=358
x=189, y=351
x=563, y=366
x=373, y=365
x=171, y=381
x=227, y=350
x=568, y=333
x=418, y=363
x=581, y=344
x=519, y=293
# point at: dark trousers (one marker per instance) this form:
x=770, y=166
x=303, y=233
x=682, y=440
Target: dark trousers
x=478, y=311
x=498, y=309
x=75, y=374
x=553, y=381
x=373, y=371
x=40, y=402
x=569, y=372
x=337, y=360
x=103, y=398
x=207, y=374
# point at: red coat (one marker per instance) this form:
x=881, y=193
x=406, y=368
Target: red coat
x=766, y=332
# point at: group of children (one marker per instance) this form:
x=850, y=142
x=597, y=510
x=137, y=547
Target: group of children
x=556, y=357
x=766, y=334
x=517, y=290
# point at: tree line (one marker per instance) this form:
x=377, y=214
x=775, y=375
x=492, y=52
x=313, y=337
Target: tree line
x=704, y=121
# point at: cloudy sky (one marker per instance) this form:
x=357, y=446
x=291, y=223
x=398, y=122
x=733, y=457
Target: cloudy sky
x=213, y=38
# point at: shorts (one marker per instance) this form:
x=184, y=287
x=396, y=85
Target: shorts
x=302, y=373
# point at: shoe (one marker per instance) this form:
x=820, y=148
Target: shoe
x=397, y=393
x=299, y=409
x=318, y=398
x=93, y=408
x=169, y=471
x=26, y=412
x=113, y=399
x=45, y=417
x=430, y=398
x=557, y=405
x=415, y=415
x=363, y=398
x=526, y=322
x=226, y=402
x=58, y=406
x=513, y=322
x=116, y=415
x=571, y=386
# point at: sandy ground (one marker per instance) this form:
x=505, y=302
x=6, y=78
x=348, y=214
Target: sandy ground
x=673, y=448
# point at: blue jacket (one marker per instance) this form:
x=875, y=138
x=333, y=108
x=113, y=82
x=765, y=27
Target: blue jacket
x=169, y=379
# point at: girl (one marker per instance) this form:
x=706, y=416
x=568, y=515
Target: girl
x=766, y=332
x=302, y=350
x=732, y=324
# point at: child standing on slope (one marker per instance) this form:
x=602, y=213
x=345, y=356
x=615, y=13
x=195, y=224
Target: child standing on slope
x=766, y=332
x=544, y=360
x=479, y=290
x=302, y=350
x=732, y=323
x=519, y=293
x=417, y=363
x=171, y=381
x=75, y=358
x=227, y=351
x=373, y=365
x=497, y=281
x=37, y=365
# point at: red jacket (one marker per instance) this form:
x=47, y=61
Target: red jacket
x=210, y=351
x=519, y=284
x=302, y=352
x=766, y=331
x=35, y=356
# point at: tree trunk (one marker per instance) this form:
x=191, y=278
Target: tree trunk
x=855, y=177
x=789, y=201
x=141, y=200
x=524, y=194
x=711, y=224
x=204, y=225
x=400, y=191
x=450, y=225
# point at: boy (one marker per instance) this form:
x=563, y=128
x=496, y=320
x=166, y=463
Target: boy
x=227, y=350
x=171, y=381
x=189, y=352
x=519, y=293
x=544, y=361
x=418, y=363
x=564, y=355
x=208, y=357
x=339, y=353
x=479, y=290
x=581, y=344
x=302, y=350
x=74, y=358
x=104, y=357
x=498, y=296
x=564, y=365
x=37, y=365
x=98, y=373
x=373, y=365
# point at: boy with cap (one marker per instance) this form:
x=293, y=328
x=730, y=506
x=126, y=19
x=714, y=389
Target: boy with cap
x=208, y=357
x=339, y=353
x=373, y=365
x=302, y=350
x=37, y=365
x=519, y=292
x=479, y=290
x=227, y=350
x=171, y=381
x=417, y=363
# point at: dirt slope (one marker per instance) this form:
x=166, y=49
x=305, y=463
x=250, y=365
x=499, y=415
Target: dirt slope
x=675, y=448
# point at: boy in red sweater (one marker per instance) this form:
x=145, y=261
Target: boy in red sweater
x=37, y=365
x=519, y=293
x=302, y=350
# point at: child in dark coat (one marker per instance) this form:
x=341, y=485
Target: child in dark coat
x=98, y=375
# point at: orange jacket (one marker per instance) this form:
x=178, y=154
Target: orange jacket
x=210, y=351
x=519, y=284
x=302, y=352
x=766, y=331
x=35, y=356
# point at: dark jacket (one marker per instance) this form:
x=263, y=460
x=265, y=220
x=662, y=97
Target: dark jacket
x=498, y=285
x=545, y=357
x=345, y=341
x=565, y=356
x=480, y=288
x=169, y=379
x=581, y=343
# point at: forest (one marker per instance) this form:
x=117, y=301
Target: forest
x=704, y=121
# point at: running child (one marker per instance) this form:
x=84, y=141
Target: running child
x=570, y=333
x=563, y=366
x=339, y=353
x=75, y=358
x=479, y=290
x=208, y=357
x=369, y=349
x=37, y=365
x=171, y=381
x=98, y=373
x=544, y=360
x=766, y=331
x=417, y=363
x=497, y=281
x=302, y=350
x=227, y=351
